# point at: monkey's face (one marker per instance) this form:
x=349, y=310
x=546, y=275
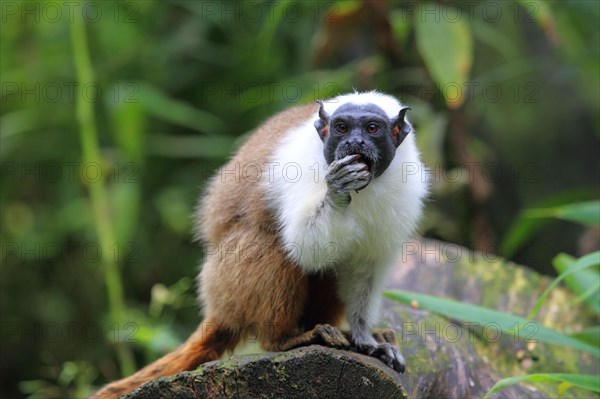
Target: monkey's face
x=364, y=130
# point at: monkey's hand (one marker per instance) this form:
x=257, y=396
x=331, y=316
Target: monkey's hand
x=343, y=176
x=384, y=350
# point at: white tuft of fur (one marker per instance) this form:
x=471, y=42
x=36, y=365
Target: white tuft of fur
x=389, y=104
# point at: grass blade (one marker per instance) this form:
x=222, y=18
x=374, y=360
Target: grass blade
x=507, y=323
x=584, y=262
x=589, y=382
x=587, y=213
x=99, y=199
x=584, y=283
x=590, y=335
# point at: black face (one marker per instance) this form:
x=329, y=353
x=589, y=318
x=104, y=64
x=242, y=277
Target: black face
x=365, y=130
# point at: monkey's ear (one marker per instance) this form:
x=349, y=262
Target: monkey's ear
x=400, y=127
x=322, y=124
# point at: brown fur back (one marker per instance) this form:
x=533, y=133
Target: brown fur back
x=269, y=291
x=230, y=200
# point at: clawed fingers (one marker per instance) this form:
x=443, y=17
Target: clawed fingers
x=337, y=174
x=387, y=353
x=350, y=178
x=340, y=163
x=390, y=355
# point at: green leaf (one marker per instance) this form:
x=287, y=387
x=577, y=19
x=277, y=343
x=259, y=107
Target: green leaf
x=584, y=262
x=590, y=292
x=518, y=234
x=128, y=121
x=532, y=220
x=539, y=11
x=497, y=39
x=174, y=209
x=590, y=335
x=584, y=283
x=447, y=48
x=484, y=316
x=179, y=146
x=18, y=122
x=125, y=199
x=401, y=26
x=563, y=387
x=589, y=382
x=432, y=128
x=160, y=105
x=582, y=212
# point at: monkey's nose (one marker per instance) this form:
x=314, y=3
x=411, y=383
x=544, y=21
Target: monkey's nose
x=355, y=142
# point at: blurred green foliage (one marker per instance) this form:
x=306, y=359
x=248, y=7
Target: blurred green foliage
x=505, y=99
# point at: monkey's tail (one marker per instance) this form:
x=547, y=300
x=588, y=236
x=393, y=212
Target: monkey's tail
x=207, y=343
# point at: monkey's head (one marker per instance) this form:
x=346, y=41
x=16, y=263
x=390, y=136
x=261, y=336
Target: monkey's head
x=363, y=129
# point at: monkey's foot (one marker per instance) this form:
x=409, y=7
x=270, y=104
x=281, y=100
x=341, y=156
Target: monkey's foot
x=382, y=346
x=321, y=334
x=331, y=336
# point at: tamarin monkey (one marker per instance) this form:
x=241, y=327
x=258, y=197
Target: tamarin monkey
x=300, y=229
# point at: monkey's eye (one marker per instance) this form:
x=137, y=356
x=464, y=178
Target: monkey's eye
x=372, y=128
x=341, y=128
